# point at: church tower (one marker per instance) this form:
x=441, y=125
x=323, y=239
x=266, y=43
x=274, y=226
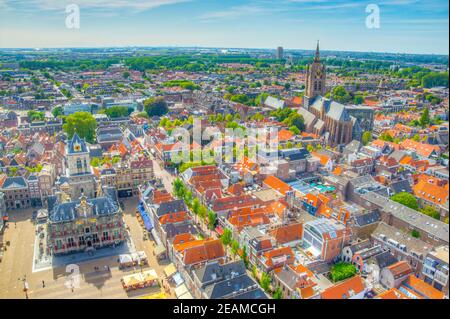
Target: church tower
x=315, y=80
x=77, y=156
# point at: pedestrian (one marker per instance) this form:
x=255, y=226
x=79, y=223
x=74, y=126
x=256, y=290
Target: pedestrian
x=43, y=284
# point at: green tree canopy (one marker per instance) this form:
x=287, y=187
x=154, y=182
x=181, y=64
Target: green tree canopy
x=156, y=106
x=265, y=282
x=341, y=271
x=118, y=111
x=366, y=137
x=35, y=115
x=406, y=199
x=83, y=123
x=57, y=111
x=424, y=120
x=431, y=211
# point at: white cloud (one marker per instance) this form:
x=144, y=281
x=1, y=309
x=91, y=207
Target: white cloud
x=137, y=5
x=240, y=11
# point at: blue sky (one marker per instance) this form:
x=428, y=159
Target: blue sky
x=407, y=26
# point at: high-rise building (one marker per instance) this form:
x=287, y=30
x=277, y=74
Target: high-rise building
x=280, y=53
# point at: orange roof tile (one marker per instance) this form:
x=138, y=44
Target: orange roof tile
x=424, y=289
x=277, y=185
x=392, y=293
x=344, y=290
x=288, y=233
x=431, y=192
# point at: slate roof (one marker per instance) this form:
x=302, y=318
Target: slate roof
x=225, y=288
x=295, y=154
x=401, y=186
x=307, y=116
x=101, y=206
x=174, y=206
x=385, y=259
x=367, y=219
x=214, y=272
x=74, y=141
x=421, y=221
x=14, y=182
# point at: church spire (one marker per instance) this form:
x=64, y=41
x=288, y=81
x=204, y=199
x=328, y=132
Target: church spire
x=317, y=56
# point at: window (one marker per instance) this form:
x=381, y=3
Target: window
x=79, y=165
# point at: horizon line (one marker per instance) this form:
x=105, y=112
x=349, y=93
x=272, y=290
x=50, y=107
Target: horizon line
x=212, y=47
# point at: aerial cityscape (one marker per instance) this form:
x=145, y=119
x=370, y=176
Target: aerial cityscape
x=225, y=157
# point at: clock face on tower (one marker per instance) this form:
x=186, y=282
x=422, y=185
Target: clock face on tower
x=77, y=147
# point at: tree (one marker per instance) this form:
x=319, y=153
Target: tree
x=126, y=75
x=278, y=294
x=341, y=271
x=95, y=162
x=424, y=120
x=234, y=247
x=188, y=198
x=366, y=138
x=265, y=282
x=415, y=233
x=341, y=95
x=386, y=137
x=83, y=123
x=406, y=199
x=212, y=218
x=57, y=111
x=358, y=99
x=244, y=256
x=432, y=212
x=156, y=106
x=179, y=188
x=294, y=130
x=35, y=115
x=227, y=237
x=118, y=111
x=196, y=206
x=202, y=212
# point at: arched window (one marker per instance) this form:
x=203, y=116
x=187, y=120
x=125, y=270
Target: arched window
x=79, y=165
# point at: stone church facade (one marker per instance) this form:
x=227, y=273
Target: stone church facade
x=338, y=124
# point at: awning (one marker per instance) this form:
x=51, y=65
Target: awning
x=125, y=259
x=145, y=218
x=170, y=270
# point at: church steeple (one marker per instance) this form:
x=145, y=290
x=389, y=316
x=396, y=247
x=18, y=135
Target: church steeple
x=315, y=80
x=317, y=56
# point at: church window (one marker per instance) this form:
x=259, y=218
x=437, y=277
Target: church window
x=315, y=85
x=79, y=165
